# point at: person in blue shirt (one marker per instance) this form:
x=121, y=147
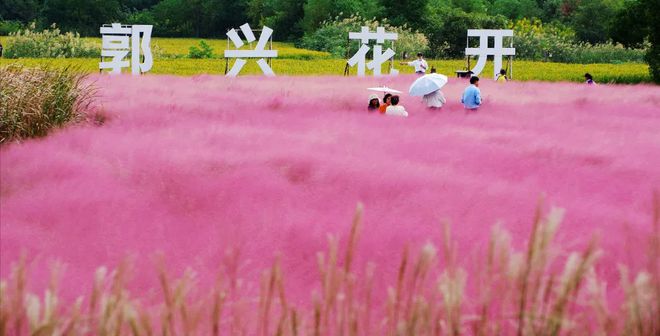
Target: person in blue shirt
x=472, y=96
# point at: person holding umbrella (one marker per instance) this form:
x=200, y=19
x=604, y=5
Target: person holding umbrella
x=428, y=87
x=434, y=100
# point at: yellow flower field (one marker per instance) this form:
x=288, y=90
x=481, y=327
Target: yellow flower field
x=170, y=58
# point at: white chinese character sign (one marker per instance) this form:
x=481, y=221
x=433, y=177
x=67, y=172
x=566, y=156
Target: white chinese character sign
x=258, y=52
x=118, y=40
x=483, y=51
x=379, y=57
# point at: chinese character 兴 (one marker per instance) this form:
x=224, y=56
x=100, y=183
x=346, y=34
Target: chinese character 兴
x=258, y=52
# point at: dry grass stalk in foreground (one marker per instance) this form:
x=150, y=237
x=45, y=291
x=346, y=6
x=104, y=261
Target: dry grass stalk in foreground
x=517, y=292
x=35, y=101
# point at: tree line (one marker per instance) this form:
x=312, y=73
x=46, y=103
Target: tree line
x=625, y=21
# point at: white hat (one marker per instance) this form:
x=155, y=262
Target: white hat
x=372, y=97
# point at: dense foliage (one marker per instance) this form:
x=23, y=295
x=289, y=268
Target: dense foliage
x=49, y=43
x=332, y=37
x=557, y=43
x=593, y=21
x=598, y=27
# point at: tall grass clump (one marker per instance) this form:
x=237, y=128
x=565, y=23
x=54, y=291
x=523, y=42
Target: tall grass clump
x=533, y=291
x=33, y=101
x=49, y=43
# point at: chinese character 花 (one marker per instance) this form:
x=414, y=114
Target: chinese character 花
x=379, y=57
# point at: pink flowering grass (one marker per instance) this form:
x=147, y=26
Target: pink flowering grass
x=191, y=168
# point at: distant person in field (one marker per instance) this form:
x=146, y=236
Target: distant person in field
x=434, y=100
x=374, y=103
x=472, y=95
x=395, y=109
x=433, y=70
x=419, y=64
x=589, y=79
x=386, y=102
x=501, y=77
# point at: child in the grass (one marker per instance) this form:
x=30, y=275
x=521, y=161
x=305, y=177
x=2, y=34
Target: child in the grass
x=501, y=77
x=589, y=79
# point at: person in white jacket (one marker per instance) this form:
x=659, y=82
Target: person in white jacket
x=395, y=109
x=419, y=64
x=434, y=100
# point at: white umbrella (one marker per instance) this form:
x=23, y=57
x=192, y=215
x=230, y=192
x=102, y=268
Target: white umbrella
x=427, y=84
x=384, y=89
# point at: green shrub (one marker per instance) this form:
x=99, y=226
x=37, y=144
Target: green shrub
x=447, y=30
x=49, y=43
x=35, y=101
x=204, y=51
x=332, y=37
x=556, y=43
x=8, y=27
x=653, y=59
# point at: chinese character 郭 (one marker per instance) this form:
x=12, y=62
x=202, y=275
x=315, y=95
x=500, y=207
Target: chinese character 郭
x=118, y=41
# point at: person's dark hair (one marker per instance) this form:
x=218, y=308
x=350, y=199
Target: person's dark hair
x=387, y=95
x=433, y=70
x=419, y=55
x=372, y=106
x=502, y=72
x=395, y=100
x=474, y=79
x=588, y=76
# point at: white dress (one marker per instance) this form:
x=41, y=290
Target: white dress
x=396, y=110
x=434, y=99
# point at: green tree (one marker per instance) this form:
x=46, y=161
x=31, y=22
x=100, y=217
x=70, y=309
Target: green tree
x=630, y=26
x=649, y=16
x=447, y=31
x=20, y=10
x=83, y=16
x=410, y=13
x=516, y=9
x=199, y=18
x=317, y=11
x=593, y=19
x=284, y=16
x=472, y=6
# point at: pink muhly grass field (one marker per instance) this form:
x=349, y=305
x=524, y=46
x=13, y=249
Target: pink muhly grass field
x=192, y=167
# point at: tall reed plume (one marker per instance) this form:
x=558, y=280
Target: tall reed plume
x=35, y=101
x=525, y=292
